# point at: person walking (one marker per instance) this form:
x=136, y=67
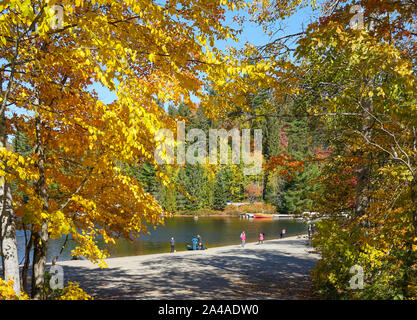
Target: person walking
x=283, y=233
x=309, y=231
x=172, y=242
x=261, y=238
x=243, y=238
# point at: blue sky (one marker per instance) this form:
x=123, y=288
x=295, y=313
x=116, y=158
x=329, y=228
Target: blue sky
x=251, y=33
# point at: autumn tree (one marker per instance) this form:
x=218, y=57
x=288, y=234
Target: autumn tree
x=148, y=54
x=369, y=108
x=355, y=74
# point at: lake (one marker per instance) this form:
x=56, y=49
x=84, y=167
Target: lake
x=214, y=231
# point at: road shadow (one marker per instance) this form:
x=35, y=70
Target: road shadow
x=233, y=274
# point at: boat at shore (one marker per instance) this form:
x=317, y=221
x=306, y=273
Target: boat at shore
x=263, y=216
x=268, y=216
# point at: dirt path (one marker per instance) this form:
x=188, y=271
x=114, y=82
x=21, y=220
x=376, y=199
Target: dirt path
x=277, y=269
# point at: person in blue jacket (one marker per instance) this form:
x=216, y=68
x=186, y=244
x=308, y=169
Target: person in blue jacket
x=195, y=241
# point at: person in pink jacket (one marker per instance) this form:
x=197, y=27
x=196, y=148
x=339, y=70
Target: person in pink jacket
x=243, y=238
x=261, y=238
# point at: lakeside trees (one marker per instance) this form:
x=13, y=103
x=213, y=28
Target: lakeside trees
x=377, y=140
x=208, y=186
x=357, y=77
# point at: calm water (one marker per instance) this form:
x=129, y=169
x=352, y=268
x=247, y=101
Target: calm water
x=215, y=231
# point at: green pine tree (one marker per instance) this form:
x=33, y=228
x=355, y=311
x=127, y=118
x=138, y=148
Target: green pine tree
x=168, y=199
x=272, y=147
x=219, y=202
x=294, y=195
x=21, y=145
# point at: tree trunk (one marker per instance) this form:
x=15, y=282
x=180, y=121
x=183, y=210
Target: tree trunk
x=413, y=192
x=40, y=240
x=7, y=218
x=364, y=170
x=26, y=264
x=362, y=179
x=8, y=238
x=8, y=224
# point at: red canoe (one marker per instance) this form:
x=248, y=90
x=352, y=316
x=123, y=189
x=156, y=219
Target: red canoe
x=263, y=215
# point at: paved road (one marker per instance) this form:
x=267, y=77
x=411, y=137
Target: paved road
x=277, y=269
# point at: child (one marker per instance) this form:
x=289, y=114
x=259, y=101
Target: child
x=243, y=238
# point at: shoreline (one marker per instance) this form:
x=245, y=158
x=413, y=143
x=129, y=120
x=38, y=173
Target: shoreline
x=204, y=215
x=227, y=246
x=209, y=249
x=225, y=215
